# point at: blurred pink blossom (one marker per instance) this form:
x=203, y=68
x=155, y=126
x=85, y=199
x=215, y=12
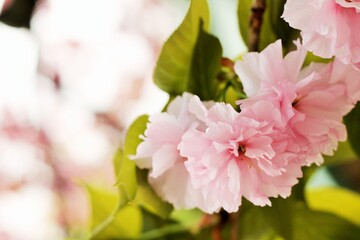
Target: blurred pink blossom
x=328, y=28
x=29, y=213
x=101, y=60
x=64, y=88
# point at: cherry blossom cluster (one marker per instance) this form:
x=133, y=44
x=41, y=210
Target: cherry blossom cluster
x=328, y=27
x=208, y=155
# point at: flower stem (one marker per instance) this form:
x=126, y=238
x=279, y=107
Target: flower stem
x=103, y=225
x=234, y=223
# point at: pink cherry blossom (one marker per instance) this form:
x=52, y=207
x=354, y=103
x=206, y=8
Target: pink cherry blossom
x=239, y=156
x=328, y=27
x=349, y=4
x=323, y=101
x=159, y=152
x=311, y=102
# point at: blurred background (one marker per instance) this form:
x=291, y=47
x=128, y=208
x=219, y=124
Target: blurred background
x=73, y=75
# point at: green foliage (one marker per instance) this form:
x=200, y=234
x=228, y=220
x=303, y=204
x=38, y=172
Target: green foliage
x=173, y=66
x=168, y=232
x=330, y=198
x=130, y=181
x=292, y=220
x=352, y=121
x=257, y=224
x=147, y=198
x=151, y=221
x=281, y=217
x=231, y=95
x=310, y=58
x=108, y=220
x=315, y=225
x=112, y=217
x=124, y=167
x=159, y=228
x=343, y=154
x=205, y=66
x=189, y=218
x=273, y=27
x=244, y=11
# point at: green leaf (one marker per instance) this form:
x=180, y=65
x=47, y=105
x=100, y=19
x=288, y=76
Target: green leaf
x=169, y=231
x=189, y=218
x=108, y=220
x=157, y=228
x=314, y=225
x=148, y=199
x=125, y=167
x=330, y=198
x=273, y=27
x=293, y=220
x=343, y=154
x=244, y=11
x=151, y=221
x=352, y=121
x=280, y=27
x=281, y=216
x=205, y=66
x=173, y=66
x=310, y=58
x=255, y=225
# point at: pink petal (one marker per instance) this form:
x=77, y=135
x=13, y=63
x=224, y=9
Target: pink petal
x=164, y=159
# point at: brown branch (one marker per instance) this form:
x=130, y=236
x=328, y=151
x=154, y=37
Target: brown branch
x=216, y=233
x=256, y=19
x=234, y=223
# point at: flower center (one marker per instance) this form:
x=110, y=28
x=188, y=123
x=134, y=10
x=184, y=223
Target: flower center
x=241, y=149
x=295, y=102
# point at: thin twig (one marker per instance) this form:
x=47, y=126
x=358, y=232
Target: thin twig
x=163, y=232
x=216, y=233
x=256, y=19
x=224, y=218
x=234, y=223
x=103, y=225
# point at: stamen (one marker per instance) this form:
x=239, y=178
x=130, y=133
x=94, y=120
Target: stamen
x=295, y=102
x=241, y=149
